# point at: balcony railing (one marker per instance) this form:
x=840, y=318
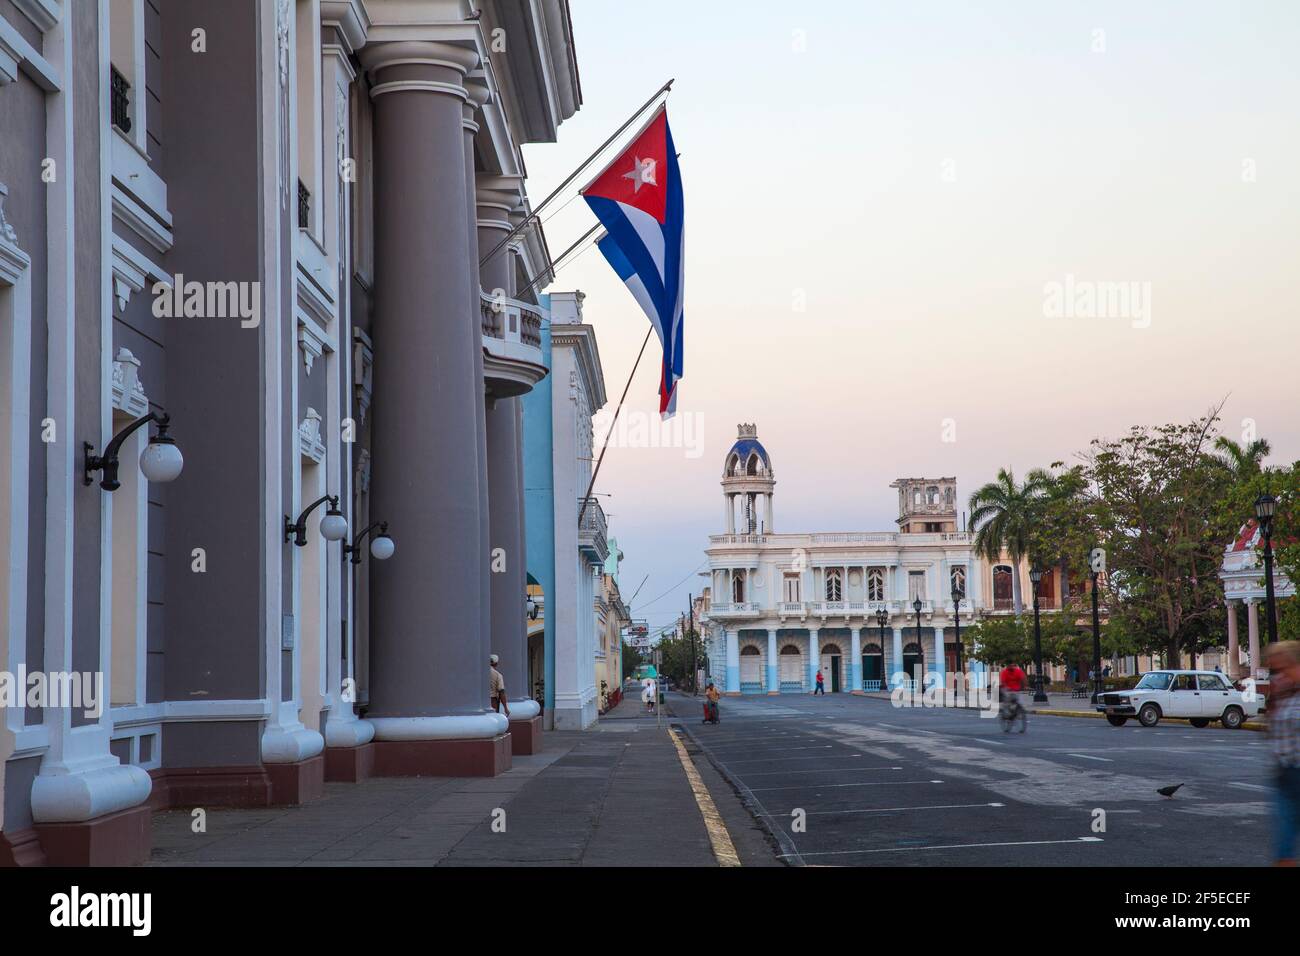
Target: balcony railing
x=512, y=341
x=120, y=103
x=592, y=531
x=738, y=539
x=304, y=206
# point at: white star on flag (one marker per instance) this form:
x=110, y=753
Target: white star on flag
x=642, y=171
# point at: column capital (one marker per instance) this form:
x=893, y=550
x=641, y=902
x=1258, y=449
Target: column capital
x=419, y=65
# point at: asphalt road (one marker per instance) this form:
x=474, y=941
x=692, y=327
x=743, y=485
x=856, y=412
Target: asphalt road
x=884, y=786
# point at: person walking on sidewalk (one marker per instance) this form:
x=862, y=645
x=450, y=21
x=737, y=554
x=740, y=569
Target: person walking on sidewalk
x=648, y=694
x=821, y=684
x=497, y=687
x=1284, y=739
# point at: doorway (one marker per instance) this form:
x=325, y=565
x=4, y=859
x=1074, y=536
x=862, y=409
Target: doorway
x=831, y=658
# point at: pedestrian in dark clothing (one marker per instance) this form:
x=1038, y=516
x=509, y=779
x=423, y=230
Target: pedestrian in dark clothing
x=1284, y=740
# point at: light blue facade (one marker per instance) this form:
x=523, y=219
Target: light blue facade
x=539, y=499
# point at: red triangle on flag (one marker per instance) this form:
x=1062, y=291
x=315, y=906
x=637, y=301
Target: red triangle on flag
x=639, y=176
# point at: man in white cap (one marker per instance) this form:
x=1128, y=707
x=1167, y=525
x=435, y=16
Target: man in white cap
x=497, y=687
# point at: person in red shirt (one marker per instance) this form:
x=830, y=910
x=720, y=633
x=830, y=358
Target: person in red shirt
x=1011, y=681
x=1012, y=678
x=821, y=685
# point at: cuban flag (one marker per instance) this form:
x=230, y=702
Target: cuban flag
x=638, y=199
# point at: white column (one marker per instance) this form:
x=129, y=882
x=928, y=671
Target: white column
x=855, y=661
x=1252, y=626
x=770, y=529
x=897, y=662
x=773, y=671
x=733, y=662
x=814, y=658
x=1234, y=650
x=940, y=660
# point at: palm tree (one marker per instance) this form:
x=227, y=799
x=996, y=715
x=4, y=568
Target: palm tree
x=1242, y=461
x=1002, y=514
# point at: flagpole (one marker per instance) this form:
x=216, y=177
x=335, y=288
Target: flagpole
x=592, y=484
x=555, y=266
x=574, y=175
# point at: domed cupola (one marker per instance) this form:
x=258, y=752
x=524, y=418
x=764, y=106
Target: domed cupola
x=748, y=482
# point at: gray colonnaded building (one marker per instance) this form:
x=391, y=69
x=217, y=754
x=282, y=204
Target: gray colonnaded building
x=263, y=222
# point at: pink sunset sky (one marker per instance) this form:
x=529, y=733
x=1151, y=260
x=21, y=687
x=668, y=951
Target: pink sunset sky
x=885, y=205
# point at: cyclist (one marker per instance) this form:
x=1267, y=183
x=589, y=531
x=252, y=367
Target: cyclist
x=1011, y=681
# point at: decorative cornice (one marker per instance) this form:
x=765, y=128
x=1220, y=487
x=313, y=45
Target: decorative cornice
x=128, y=390
x=310, y=445
x=7, y=232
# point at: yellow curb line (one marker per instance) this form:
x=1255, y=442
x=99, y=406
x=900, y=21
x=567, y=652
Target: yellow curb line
x=1248, y=725
x=723, y=849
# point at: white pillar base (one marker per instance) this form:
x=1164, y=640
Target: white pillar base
x=77, y=797
x=348, y=733
x=468, y=727
x=290, y=744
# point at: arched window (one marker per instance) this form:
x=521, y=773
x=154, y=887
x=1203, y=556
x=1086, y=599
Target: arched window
x=834, y=586
x=932, y=495
x=738, y=589
x=1002, y=588
x=790, y=649
x=876, y=584
x=755, y=466
x=958, y=582
x=749, y=650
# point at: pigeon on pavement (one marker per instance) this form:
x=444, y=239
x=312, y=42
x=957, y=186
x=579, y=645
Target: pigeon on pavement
x=1169, y=791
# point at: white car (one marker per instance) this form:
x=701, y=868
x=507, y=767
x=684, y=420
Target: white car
x=1198, y=696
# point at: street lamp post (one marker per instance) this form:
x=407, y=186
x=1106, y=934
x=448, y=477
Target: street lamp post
x=1040, y=696
x=957, y=595
x=882, y=618
x=920, y=647
x=1098, y=685
x=1265, y=507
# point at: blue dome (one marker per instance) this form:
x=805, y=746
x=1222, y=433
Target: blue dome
x=745, y=447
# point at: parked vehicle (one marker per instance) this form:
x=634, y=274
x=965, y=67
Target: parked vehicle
x=1198, y=696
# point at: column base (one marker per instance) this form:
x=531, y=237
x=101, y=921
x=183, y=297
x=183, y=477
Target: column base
x=482, y=757
x=293, y=784
x=21, y=848
x=858, y=693
x=526, y=736
x=117, y=839
x=350, y=764
x=773, y=693
x=236, y=787
x=731, y=693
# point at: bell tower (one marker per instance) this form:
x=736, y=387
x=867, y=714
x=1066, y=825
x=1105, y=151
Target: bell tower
x=926, y=505
x=747, y=485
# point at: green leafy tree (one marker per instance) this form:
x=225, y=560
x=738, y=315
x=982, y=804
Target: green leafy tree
x=1003, y=514
x=1158, y=497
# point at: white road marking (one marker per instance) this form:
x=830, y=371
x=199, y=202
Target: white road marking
x=952, y=846
x=773, y=773
x=732, y=763
x=772, y=750
x=836, y=786
x=1088, y=757
x=942, y=806
x=1248, y=786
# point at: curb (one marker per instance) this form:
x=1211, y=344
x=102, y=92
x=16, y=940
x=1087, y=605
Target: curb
x=781, y=841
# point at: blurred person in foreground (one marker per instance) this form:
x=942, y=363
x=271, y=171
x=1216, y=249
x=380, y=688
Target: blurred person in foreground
x=1284, y=738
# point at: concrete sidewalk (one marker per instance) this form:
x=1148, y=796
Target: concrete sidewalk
x=616, y=795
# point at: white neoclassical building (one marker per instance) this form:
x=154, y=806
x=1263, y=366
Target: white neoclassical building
x=1242, y=574
x=783, y=605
